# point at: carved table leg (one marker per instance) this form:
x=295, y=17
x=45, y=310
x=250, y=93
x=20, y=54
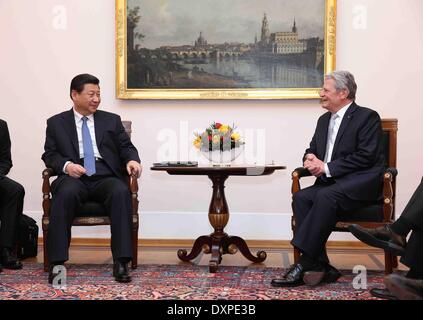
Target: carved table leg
x=216, y=254
x=196, y=248
x=218, y=217
x=243, y=248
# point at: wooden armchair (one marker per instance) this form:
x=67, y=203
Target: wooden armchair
x=379, y=213
x=92, y=213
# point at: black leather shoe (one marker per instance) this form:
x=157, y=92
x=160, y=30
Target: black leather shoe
x=328, y=274
x=120, y=272
x=51, y=274
x=382, y=294
x=404, y=288
x=292, y=278
x=9, y=261
x=381, y=237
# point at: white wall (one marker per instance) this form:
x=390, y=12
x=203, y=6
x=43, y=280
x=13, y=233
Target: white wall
x=38, y=61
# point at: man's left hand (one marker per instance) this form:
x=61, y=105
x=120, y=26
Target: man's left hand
x=134, y=167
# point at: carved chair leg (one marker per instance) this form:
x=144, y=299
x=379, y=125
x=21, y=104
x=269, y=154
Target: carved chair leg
x=388, y=262
x=394, y=261
x=134, y=264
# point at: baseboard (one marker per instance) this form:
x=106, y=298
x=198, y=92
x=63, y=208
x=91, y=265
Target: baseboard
x=186, y=243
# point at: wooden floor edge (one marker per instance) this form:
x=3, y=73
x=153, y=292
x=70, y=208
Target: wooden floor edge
x=186, y=243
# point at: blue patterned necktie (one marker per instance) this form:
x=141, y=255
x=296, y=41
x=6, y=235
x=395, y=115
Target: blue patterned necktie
x=89, y=160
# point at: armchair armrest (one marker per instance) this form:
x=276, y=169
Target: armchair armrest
x=48, y=172
x=46, y=189
x=296, y=175
x=132, y=181
x=301, y=172
x=46, y=175
x=133, y=187
x=389, y=176
x=392, y=171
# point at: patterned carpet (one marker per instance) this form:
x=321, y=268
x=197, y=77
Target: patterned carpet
x=174, y=282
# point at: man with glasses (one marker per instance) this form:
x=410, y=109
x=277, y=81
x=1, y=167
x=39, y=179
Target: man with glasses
x=91, y=153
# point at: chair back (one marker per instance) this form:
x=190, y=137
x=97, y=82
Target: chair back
x=390, y=128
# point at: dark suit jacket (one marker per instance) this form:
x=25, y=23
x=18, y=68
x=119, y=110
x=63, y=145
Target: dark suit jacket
x=5, y=157
x=357, y=160
x=113, y=143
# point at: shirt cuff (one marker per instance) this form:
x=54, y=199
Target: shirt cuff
x=327, y=172
x=64, y=167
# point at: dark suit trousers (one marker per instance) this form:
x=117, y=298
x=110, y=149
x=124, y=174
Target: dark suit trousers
x=67, y=195
x=413, y=216
x=413, y=212
x=315, y=211
x=11, y=206
x=413, y=257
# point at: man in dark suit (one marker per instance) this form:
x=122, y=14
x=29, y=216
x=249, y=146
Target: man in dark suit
x=11, y=204
x=345, y=156
x=91, y=153
x=392, y=238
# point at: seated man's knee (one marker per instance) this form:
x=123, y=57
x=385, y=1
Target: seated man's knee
x=69, y=191
x=120, y=189
x=325, y=194
x=299, y=197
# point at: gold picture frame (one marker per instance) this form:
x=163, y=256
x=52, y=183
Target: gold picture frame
x=328, y=46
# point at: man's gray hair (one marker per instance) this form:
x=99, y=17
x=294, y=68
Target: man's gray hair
x=344, y=80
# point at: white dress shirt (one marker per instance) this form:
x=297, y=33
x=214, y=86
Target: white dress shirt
x=334, y=124
x=91, y=128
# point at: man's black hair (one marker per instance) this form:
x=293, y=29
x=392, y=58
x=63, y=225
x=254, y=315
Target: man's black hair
x=81, y=80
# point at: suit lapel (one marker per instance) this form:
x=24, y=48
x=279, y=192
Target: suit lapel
x=321, y=147
x=70, y=127
x=99, y=128
x=344, y=124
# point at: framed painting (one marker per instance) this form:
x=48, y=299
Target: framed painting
x=223, y=49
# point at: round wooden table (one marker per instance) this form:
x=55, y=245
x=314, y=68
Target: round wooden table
x=219, y=243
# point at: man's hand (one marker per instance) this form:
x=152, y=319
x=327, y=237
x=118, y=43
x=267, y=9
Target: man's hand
x=314, y=165
x=75, y=170
x=134, y=167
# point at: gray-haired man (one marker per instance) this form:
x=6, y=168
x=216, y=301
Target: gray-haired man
x=346, y=158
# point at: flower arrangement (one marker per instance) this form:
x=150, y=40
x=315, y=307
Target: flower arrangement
x=218, y=137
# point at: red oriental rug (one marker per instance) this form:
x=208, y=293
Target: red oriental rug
x=175, y=282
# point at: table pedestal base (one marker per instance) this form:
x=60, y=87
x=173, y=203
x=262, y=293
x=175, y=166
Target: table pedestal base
x=218, y=245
